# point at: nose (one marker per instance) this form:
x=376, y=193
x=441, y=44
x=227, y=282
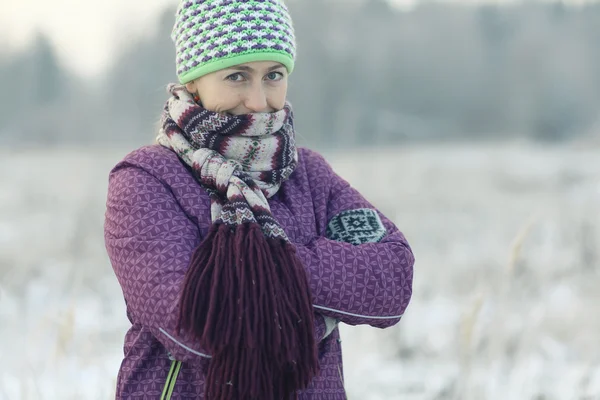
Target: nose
x=256, y=99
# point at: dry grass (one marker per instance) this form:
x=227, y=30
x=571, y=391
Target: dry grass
x=481, y=325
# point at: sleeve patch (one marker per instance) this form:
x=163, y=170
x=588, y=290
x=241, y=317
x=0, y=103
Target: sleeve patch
x=358, y=226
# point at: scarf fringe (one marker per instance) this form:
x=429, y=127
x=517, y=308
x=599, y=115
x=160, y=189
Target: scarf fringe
x=247, y=300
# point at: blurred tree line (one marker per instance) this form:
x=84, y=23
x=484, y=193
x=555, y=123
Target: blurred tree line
x=367, y=74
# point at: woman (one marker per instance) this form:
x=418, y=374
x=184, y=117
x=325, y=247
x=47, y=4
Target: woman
x=238, y=253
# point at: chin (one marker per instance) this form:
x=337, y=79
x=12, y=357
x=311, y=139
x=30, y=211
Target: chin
x=245, y=112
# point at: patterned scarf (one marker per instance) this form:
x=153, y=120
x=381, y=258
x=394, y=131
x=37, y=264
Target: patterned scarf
x=245, y=295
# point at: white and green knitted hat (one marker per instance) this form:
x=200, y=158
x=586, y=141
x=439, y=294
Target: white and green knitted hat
x=211, y=35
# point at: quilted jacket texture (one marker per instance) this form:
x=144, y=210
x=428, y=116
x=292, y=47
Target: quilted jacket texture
x=359, y=264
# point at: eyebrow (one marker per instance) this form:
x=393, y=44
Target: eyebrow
x=250, y=69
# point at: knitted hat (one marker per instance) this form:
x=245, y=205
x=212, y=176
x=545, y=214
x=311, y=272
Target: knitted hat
x=211, y=35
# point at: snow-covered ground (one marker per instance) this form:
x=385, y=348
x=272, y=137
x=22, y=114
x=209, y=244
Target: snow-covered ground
x=506, y=300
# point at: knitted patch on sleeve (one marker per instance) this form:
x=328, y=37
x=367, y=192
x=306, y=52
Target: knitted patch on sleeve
x=357, y=226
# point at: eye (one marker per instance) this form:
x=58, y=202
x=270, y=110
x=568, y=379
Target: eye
x=237, y=77
x=274, y=76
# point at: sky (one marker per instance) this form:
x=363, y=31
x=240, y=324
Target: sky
x=85, y=33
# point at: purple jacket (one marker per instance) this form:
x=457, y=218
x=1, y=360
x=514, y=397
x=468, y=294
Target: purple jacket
x=157, y=214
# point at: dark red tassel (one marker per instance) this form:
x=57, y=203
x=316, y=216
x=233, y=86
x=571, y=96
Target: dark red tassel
x=246, y=297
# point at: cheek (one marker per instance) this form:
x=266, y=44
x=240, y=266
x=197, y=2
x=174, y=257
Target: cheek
x=220, y=99
x=278, y=96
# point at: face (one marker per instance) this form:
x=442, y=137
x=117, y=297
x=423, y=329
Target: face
x=254, y=87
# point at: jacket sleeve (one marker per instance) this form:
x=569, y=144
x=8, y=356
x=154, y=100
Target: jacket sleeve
x=150, y=240
x=360, y=266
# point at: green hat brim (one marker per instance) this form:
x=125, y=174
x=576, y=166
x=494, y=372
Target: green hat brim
x=219, y=64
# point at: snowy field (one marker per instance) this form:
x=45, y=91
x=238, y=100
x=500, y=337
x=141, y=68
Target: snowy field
x=506, y=294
